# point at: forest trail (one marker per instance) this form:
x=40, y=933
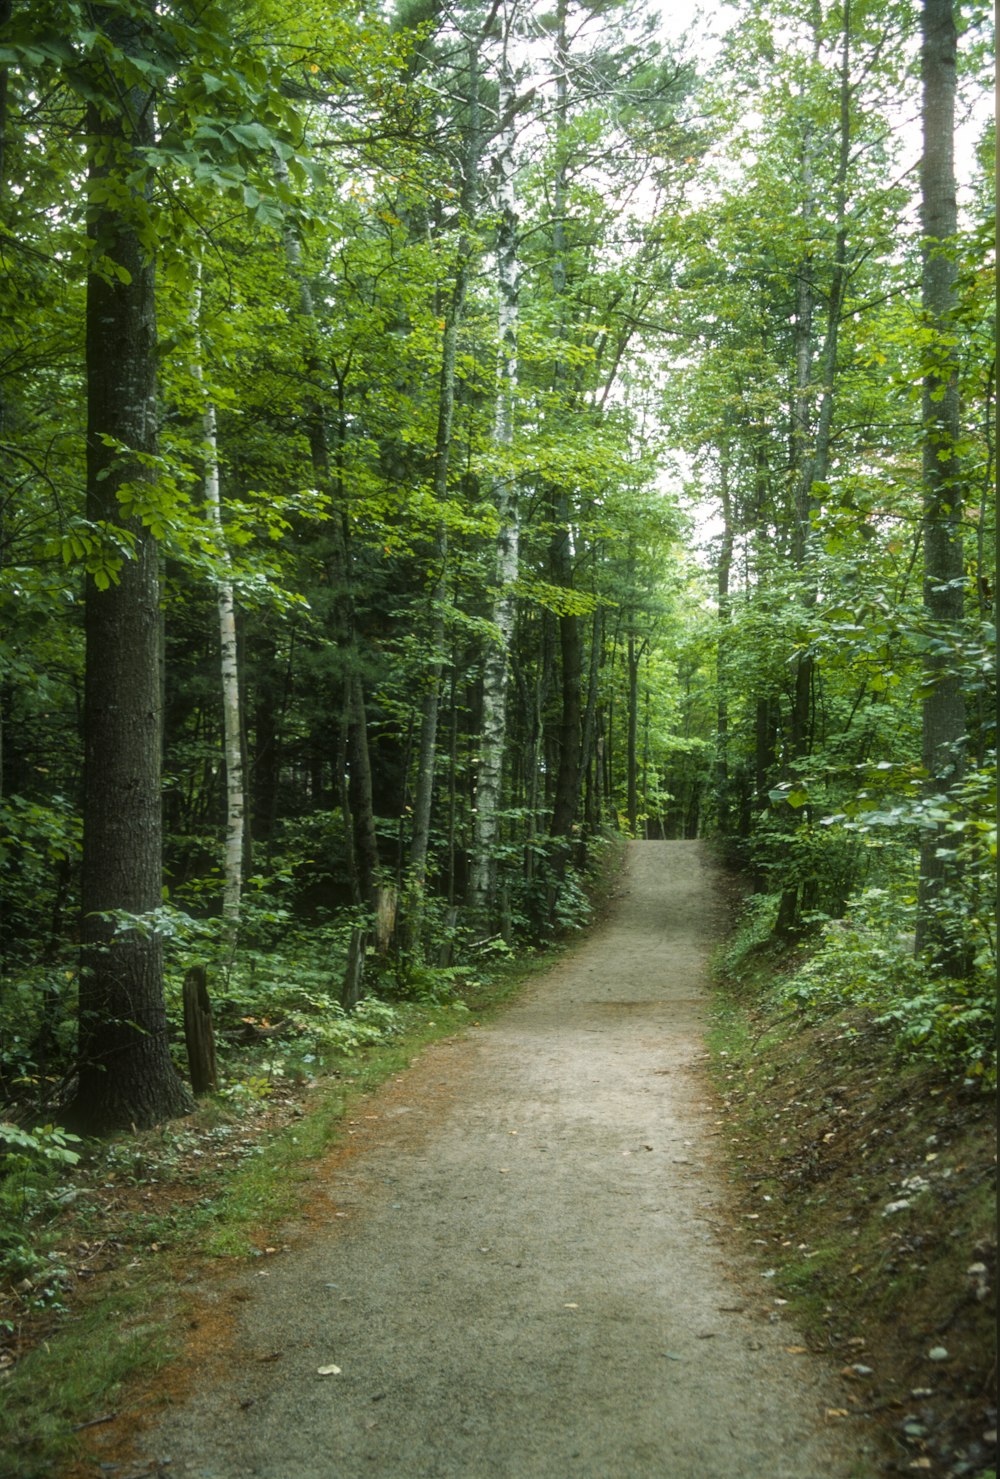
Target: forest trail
x=520, y=1266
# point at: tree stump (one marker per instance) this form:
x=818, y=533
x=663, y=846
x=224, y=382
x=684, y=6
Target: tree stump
x=385, y=919
x=447, y=950
x=350, y=991
x=199, y=1034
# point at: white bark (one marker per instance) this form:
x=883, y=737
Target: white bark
x=232, y=734
x=233, y=741
x=495, y=673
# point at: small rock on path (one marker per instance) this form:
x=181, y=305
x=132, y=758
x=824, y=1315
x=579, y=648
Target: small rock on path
x=519, y=1272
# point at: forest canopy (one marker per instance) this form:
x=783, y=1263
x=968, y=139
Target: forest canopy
x=437, y=438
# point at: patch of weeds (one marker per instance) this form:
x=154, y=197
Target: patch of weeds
x=44, y=1398
x=33, y=1165
x=266, y=1189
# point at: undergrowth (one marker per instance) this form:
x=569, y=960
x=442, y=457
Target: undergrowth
x=865, y=964
x=861, y=1140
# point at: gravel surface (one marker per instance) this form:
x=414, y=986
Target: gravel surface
x=522, y=1267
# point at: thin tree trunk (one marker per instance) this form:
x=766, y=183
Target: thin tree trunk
x=424, y=791
x=364, y=851
x=944, y=719
x=493, y=738
x=567, y=785
x=631, y=743
x=233, y=850
x=590, y=722
x=812, y=449
x=723, y=780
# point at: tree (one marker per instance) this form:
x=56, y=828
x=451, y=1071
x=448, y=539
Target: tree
x=944, y=719
x=126, y=1076
x=496, y=665
x=233, y=848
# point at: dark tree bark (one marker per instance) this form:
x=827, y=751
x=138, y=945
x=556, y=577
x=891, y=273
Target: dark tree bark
x=126, y=1076
x=944, y=718
x=199, y=1032
x=634, y=656
x=266, y=758
x=723, y=779
x=366, y=852
x=566, y=799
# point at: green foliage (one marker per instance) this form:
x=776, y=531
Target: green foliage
x=866, y=962
x=32, y=1162
x=752, y=935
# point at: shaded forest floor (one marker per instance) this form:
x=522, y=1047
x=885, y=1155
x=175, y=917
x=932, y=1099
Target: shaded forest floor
x=866, y=1192
x=869, y=1191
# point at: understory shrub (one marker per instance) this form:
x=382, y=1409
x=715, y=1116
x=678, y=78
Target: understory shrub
x=866, y=960
x=32, y=1163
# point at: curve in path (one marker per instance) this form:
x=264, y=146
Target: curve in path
x=521, y=1275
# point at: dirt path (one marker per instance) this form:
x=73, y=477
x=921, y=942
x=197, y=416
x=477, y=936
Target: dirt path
x=520, y=1272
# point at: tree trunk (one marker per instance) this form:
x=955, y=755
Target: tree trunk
x=199, y=1034
x=632, y=735
x=811, y=448
x=233, y=849
x=266, y=751
x=363, y=850
x=723, y=779
x=366, y=852
x=567, y=792
x=567, y=784
x=493, y=738
x=126, y=1076
x=423, y=790
x=944, y=720
x=591, y=809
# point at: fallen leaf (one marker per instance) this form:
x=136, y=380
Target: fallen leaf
x=797, y=1350
x=837, y=1412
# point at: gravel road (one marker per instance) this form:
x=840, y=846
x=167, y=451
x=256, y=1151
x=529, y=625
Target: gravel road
x=522, y=1269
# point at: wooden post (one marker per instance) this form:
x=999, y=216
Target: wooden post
x=198, y=1031
x=350, y=991
x=385, y=919
x=447, y=948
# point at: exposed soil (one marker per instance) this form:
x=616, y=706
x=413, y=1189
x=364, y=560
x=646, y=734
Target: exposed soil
x=523, y=1263
x=868, y=1184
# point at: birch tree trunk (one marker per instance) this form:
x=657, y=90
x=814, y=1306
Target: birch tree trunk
x=424, y=789
x=489, y=776
x=232, y=727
